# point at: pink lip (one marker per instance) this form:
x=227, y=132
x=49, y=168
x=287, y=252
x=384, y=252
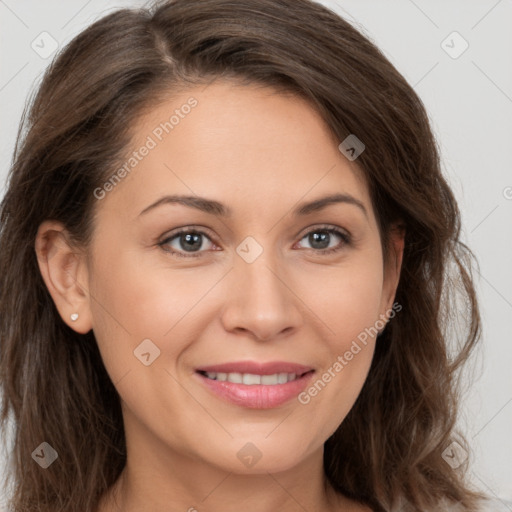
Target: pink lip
x=257, y=368
x=257, y=396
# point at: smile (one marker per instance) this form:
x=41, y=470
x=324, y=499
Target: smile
x=250, y=379
x=255, y=385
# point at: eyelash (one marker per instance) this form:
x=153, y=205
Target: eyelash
x=323, y=229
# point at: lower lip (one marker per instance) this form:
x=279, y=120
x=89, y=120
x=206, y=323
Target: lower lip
x=257, y=396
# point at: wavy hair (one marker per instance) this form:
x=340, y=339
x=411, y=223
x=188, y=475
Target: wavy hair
x=388, y=452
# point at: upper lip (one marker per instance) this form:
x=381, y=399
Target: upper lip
x=256, y=368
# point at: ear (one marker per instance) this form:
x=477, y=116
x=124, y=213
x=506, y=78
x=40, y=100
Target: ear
x=393, y=267
x=64, y=272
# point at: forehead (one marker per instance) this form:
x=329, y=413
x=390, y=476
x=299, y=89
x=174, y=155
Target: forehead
x=249, y=145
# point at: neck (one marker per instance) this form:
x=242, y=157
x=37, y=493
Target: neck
x=188, y=485
x=158, y=478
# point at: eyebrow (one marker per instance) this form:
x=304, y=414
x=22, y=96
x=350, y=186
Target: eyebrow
x=215, y=208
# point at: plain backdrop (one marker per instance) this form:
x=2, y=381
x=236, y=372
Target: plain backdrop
x=468, y=95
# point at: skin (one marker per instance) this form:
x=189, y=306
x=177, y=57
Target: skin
x=259, y=152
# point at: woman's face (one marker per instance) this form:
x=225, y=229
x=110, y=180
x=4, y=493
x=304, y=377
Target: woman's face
x=259, y=281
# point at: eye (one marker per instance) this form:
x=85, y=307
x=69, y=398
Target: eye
x=321, y=237
x=189, y=241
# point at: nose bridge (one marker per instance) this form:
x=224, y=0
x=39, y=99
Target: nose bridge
x=260, y=301
x=263, y=282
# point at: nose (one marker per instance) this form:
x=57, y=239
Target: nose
x=261, y=300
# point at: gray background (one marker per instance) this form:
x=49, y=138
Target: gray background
x=469, y=99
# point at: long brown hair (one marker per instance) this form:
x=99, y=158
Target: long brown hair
x=388, y=452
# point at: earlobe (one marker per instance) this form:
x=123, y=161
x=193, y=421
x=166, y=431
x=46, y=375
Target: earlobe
x=65, y=274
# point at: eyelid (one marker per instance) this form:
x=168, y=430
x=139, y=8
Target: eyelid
x=321, y=227
x=189, y=228
x=344, y=234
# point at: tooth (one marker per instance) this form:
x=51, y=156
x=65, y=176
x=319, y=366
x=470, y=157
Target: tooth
x=269, y=379
x=250, y=378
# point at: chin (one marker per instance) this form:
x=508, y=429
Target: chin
x=257, y=455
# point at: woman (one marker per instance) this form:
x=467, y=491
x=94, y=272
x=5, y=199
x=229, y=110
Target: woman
x=296, y=357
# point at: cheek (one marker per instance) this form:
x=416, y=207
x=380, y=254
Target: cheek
x=346, y=298
x=134, y=301
x=349, y=306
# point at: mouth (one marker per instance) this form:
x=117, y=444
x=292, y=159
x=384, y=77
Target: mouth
x=252, y=379
x=256, y=385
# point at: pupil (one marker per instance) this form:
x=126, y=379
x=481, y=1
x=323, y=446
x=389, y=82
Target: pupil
x=190, y=238
x=323, y=237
